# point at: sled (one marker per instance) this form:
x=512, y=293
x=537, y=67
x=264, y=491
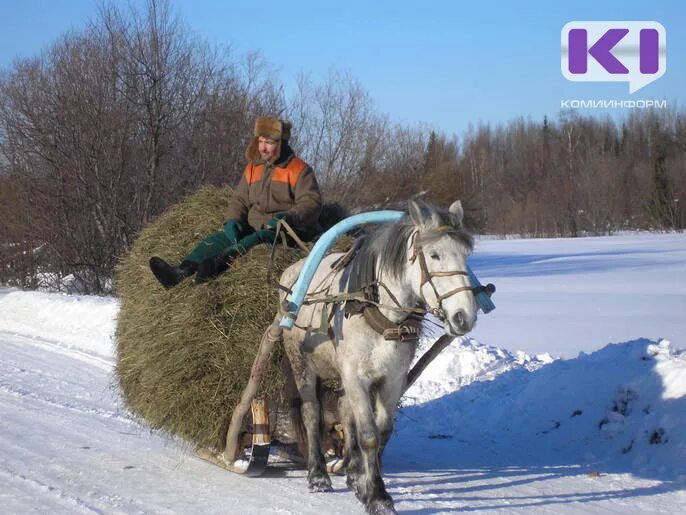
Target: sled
x=251, y=458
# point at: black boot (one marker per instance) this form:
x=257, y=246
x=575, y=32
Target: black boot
x=169, y=275
x=214, y=266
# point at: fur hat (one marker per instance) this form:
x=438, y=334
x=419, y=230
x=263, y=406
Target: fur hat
x=272, y=128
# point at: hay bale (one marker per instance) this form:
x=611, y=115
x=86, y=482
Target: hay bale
x=184, y=354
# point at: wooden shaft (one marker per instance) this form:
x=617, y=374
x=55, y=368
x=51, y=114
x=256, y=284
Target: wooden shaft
x=427, y=358
x=273, y=334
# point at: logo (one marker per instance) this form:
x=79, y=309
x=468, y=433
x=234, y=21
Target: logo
x=614, y=51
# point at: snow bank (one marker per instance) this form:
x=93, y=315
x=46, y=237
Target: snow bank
x=622, y=408
x=465, y=361
x=83, y=322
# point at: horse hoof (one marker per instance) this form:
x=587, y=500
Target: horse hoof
x=381, y=507
x=321, y=490
x=315, y=489
x=322, y=484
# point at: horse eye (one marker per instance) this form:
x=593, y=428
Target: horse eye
x=434, y=255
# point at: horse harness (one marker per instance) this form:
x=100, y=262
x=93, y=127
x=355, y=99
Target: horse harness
x=364, y=298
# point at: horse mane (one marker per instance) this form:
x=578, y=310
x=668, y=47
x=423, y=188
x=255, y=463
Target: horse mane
x=387, y=243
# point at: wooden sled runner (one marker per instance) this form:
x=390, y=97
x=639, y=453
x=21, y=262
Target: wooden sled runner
x=252, y=461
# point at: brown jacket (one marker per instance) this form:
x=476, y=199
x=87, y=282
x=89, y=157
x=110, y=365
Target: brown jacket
x=288, y=186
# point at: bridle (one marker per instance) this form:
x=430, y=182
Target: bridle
x=427, y=277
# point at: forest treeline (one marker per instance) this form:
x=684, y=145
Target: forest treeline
x=113, y=124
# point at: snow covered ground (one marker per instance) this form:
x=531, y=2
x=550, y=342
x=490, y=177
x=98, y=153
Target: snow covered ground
x=494, y=425
x=567, y=295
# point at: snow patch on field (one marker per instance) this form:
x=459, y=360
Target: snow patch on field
x=621, y=408
x=464, y=362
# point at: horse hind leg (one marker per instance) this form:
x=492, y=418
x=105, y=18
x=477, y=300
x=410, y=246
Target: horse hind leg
x=317, y=476
x=298, y=432
x=354, y=466
x=306, y=382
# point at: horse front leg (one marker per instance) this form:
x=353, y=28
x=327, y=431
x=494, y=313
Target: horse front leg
x=387, y=399
x=368, y=485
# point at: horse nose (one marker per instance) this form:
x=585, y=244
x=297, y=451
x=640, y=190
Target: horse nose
x=461, y=321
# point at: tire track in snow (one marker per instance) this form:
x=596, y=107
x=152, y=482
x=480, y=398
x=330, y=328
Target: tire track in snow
x=21, y=393
x=42, y=380
x=54, y=346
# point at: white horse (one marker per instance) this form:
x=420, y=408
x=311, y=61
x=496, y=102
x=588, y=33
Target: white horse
x=410, y=267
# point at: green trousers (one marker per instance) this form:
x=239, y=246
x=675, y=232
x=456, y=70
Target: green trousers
x=220, y=242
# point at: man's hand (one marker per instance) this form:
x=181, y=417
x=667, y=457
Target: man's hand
x=271, y=224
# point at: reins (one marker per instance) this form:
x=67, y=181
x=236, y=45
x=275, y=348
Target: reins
x=287, y=230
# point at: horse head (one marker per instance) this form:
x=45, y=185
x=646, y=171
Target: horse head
x=438, y=250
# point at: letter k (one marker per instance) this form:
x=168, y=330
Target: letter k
x=601, y=51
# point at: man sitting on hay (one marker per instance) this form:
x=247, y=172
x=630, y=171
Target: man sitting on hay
x=276, y=185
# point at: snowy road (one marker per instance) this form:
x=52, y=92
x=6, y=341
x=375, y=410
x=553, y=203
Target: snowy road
x=68, y=448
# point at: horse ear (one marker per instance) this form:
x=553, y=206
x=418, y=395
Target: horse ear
x=419, y=214
x=456, y=209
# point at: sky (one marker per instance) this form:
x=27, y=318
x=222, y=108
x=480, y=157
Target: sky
x=447, y=64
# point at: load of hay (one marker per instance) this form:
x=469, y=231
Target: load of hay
x=184, y=354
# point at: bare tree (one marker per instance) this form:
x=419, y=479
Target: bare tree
x=111, y=126
x=338, y=131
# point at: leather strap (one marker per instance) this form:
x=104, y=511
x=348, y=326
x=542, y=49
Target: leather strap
x=405, y=331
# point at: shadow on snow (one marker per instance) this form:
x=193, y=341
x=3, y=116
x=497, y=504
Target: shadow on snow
x=536, y=265
x=621, y=409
